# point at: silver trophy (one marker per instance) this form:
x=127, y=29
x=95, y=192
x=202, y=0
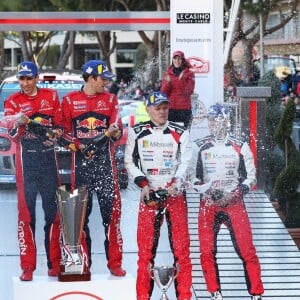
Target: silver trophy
x=163, y=276
x=72, y=209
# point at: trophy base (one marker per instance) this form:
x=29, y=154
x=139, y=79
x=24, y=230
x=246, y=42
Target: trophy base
x=74, y=277
x=72, y=273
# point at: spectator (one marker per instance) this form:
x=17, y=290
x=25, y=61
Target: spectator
x=113, y=88
x=297, y=114
x=178, y=84
x=138, y=94
x=157, y=86
x=36, y=170
x=157, y=156
x=141, y=114
x=225, y=169
x=296, y=83
x=286, y=83
x=88, y=113
x=148, y=89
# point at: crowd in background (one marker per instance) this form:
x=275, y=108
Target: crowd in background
x=133, y=91
x=290, y=89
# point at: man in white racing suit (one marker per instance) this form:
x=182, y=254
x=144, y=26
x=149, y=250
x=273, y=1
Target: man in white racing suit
x=157, y=156
x=225, y=166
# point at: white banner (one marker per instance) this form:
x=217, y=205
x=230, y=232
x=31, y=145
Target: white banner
x=197, y=30
x=100, y=287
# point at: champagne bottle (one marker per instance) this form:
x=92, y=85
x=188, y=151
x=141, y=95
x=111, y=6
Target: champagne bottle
x=96, y=144
x=156, y=197
x=40, y=130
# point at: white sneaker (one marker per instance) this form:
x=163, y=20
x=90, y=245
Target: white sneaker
x=216, y=296
x=257, y=297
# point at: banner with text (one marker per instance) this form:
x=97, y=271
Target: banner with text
x=197, y=30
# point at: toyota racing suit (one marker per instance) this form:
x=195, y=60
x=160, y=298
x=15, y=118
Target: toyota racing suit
x=155, y=156
x=85, y=117
x=229, y=165
x=36, y=171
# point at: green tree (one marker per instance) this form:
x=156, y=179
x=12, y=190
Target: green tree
x=286, y=187
x=273, y=160
x=33, y=44
x=246, y=30
x=27, y=5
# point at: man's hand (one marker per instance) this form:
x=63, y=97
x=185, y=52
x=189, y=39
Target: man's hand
x=200, y=187
x=114, y=131
x=57, y=133
x=81, y=146
x=145, y=195
x=173, y=189
x=21, y=119
x=229, y=198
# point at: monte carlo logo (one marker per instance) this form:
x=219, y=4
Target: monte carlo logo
x=184, y=18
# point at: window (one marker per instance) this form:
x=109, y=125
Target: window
x=126, y=56
x=90, y=54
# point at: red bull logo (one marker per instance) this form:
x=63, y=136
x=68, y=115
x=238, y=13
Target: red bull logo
x=95, y=127
x=43, y=121
x=92, y=123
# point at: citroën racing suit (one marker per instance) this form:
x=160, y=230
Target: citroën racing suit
x=85, y=117
x=36, y=171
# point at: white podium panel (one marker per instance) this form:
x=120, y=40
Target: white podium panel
x=101, y=287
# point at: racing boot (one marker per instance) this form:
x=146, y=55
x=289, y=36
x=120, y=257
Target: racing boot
x=54, y=272
x=216, y=296
x=117, y=271
x=26, y=275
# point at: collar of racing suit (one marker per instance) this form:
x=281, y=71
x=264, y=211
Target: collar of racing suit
x=161, y=127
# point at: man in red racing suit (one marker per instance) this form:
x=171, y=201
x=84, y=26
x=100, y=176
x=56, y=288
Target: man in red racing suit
x=157, y=155
x=36, y=167
x=226, y=166
x=88, y=113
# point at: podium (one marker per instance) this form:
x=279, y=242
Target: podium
x=101, y=287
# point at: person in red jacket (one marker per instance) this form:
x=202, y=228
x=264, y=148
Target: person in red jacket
x=178, y=84
x=36, y=167
x=87, y=114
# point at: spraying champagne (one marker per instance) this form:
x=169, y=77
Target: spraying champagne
x=157, y=197
x=98, y=142
x=33, y=126
x=40, y=130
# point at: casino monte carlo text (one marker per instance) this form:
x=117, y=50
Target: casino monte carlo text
x=193, y=18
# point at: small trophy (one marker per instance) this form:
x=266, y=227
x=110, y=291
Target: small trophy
x=72, y=209
x=163, y=277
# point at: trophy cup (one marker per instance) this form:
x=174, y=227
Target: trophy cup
x=72, y=209
x=163, y=276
